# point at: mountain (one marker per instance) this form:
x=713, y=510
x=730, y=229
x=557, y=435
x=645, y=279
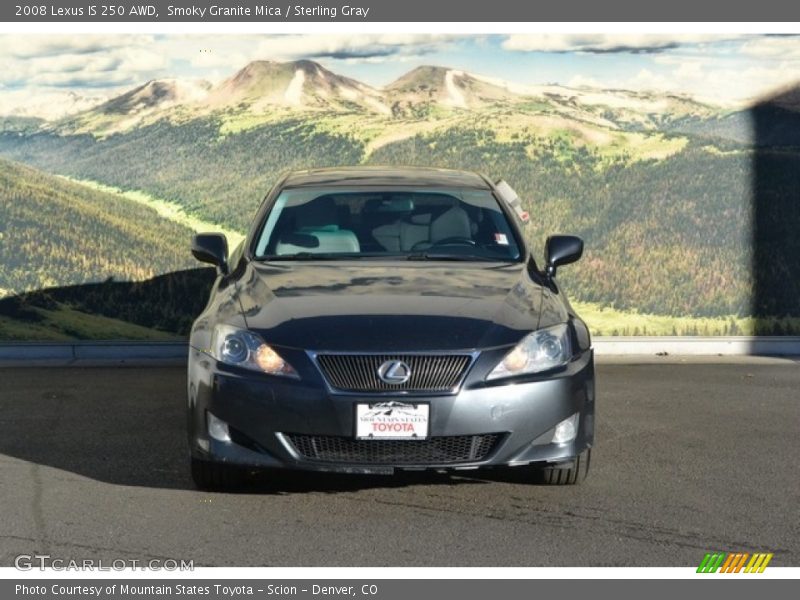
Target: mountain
x=47, y=106
x=21, y=125
x=263, y=85
x=773, y=120
x=661, y=198
x=143, y=104
x=632, y=109
x=449, y=88
x=157, y=94
x=265, y=91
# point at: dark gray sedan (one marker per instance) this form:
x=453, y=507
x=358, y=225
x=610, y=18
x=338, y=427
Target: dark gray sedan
x=377, y=319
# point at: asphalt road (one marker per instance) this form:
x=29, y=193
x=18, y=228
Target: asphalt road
x=689, y=458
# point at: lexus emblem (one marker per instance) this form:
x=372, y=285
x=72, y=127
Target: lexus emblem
x=394, y=372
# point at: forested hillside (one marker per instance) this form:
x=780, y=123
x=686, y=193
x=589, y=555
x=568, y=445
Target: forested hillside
x=56, y=233
x=663, y=236
x=668, y=193
x=667, y=236
x=221, y=179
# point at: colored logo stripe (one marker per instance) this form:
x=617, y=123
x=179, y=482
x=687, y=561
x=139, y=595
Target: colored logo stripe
x=758, y=563
x=734, y=562
x=711, y=562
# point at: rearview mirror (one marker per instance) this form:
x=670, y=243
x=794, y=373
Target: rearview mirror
x=211, y=248
x=561, y=250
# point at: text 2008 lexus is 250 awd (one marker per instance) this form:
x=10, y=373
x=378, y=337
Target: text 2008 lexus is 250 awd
x=377, y=319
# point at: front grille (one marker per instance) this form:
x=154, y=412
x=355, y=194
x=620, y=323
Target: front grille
x=435, y=450
x=359, y=372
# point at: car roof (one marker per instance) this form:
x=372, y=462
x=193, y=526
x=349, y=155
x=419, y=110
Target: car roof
x=385, y=176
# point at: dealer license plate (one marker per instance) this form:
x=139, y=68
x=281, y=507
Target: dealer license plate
x=392, y=420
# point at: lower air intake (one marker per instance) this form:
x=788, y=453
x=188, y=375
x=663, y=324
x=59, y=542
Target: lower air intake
x=436, y=450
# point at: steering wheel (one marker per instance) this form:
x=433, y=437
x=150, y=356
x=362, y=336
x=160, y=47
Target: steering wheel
x=455, y=241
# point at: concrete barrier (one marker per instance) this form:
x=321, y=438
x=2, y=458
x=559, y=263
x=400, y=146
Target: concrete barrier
x=89, y=353
x=698, y=346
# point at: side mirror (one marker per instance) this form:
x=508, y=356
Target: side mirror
x=211, y=248
x=561, y=250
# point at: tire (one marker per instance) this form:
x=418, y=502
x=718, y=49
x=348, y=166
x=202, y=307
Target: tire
x=571, y=475
x=214, y=476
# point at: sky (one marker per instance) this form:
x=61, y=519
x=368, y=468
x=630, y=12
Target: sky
x=721, y=69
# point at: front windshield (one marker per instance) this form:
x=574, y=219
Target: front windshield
x=438, y=223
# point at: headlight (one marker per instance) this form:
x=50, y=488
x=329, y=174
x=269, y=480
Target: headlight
x=539, y=351
x=242, y=348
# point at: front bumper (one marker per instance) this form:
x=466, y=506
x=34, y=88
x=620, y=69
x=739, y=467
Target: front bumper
x=261, y=410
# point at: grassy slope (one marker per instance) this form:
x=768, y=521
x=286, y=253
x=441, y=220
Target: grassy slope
x=539, y=155
x=65, y=324
x=609, y=321
x=55, y=232
x=168, y=210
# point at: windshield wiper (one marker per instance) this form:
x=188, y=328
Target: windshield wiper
x=301, y=256
x=379, y=255
x=453, y=257
x=327, y=256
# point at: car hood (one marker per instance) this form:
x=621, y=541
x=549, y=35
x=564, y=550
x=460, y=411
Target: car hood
x=380, y=306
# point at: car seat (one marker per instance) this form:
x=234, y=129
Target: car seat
x=421, y=231
x=453, y=223
x=319, y=219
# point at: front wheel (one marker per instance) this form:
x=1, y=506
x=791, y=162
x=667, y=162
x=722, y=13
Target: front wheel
x=567, y=475
x=214, y=476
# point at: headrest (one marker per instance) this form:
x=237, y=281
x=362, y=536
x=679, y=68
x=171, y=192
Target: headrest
x=320, y=212
x=421, y=219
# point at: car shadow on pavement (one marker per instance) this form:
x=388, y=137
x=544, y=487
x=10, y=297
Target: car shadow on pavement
x=126, y=426
x=299, y=482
